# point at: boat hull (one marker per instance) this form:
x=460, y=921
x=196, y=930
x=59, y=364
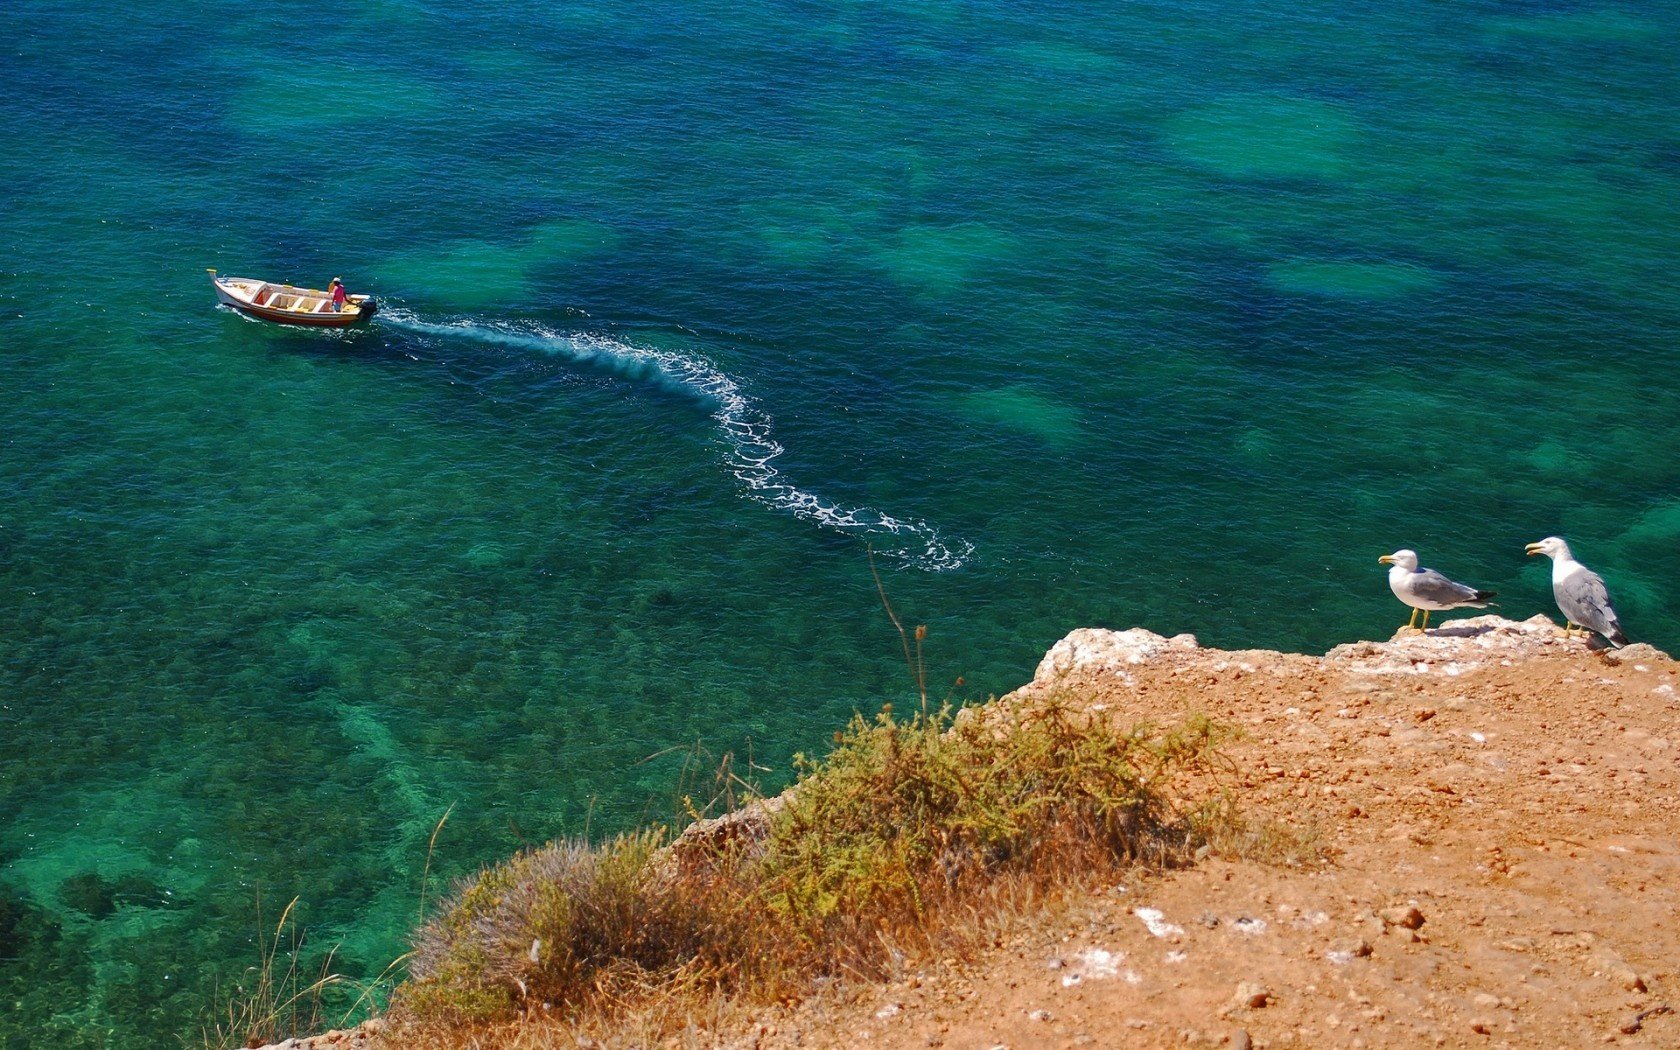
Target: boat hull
x=302, y=320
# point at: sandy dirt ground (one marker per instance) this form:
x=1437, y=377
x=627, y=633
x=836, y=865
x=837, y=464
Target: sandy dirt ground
x=1500, y=810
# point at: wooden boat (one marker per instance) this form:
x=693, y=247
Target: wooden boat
x=288, y=305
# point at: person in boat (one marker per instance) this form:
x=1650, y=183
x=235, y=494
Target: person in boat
x=336, y=291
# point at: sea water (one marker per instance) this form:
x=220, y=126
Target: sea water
x=1162, y=314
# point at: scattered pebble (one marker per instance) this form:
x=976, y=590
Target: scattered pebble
x=1250, y=926
x=1353, y=948
x=1343, y=952
x=1250, y=995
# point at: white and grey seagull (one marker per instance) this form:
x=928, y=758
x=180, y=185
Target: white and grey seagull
x=1428, y=591
x=1580, y=592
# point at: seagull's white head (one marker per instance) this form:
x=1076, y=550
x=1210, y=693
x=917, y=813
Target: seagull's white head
x=1406, y=559
x=1552, y=547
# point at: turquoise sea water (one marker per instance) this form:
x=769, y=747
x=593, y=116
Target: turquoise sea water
x=1171, y=314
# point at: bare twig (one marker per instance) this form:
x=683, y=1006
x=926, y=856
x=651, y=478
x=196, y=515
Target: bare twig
x=913, y=665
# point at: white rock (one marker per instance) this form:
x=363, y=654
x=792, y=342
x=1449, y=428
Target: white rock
x=1250, y=995
x=1099, y=963
x=1405, y=916
x=1095, y=649
x=1156, y=922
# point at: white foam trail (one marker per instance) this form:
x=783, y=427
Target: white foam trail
x=744, y=425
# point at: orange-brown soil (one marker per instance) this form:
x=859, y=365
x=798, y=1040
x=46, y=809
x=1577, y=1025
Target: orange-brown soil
x=1497, y=810
x=1514, y=791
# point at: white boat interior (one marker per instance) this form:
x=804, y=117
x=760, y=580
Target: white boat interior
x=283, y=296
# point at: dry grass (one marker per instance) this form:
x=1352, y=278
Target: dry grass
x=911, y=836
x=272, y=1001
x=277, y=998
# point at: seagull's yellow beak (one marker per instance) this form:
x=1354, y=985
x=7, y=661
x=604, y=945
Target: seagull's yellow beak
x=1387, y=559
x=1533, y=549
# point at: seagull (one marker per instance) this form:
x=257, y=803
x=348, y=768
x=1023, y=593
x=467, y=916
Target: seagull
x=1580, y=592
x=1428, y=590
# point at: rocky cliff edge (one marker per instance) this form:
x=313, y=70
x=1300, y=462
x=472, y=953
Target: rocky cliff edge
x=1495, y=814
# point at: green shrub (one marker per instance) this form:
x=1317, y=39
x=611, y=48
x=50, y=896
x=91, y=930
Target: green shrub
x=906, y=815
x=889, y=840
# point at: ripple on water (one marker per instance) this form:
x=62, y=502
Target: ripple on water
x=1554, y=457
x=1024, y=410
x=1339, y=279
x=1647, y=541
x=99, y=839
x=796, y=232
x=1060, y=58
x=1603, y=24
x=939, y=260
x=1266, y=137
x=322, y=95
x=1256, y=446
x=471, y=274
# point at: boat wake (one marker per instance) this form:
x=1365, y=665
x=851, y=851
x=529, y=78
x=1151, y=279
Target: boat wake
x=746, y=428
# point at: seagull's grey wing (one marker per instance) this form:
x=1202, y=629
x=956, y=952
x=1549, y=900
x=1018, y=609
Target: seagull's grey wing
x=1583, y=598
x=1432, y=586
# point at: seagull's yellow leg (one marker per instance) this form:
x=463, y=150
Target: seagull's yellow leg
x=1411, y=624
x=1425, y=628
